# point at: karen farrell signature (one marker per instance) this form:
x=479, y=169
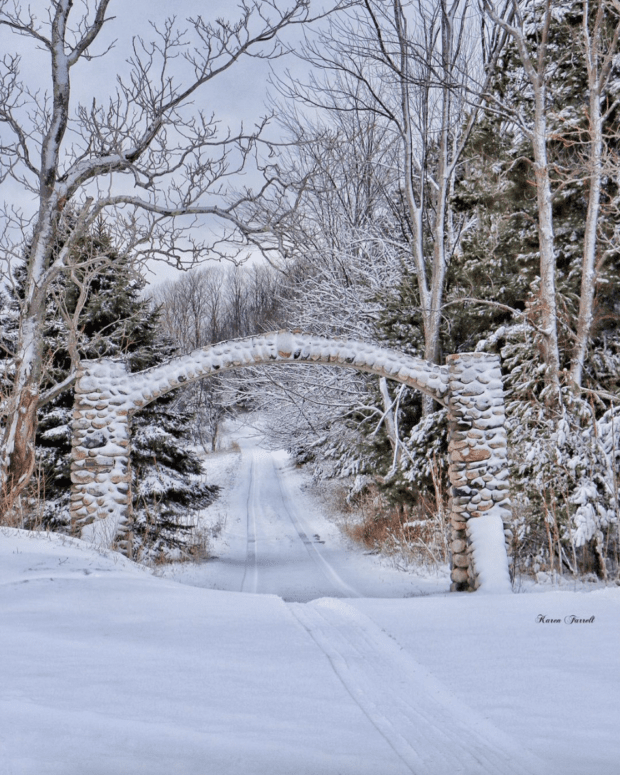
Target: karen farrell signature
x=571, y=619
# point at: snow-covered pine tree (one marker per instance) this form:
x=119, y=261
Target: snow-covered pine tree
x=168, y=482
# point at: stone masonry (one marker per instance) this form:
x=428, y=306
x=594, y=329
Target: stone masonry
x=101, y=454
x=477, y=463
x=106, y=396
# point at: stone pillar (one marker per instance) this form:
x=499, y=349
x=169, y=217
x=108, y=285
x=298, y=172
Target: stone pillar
x=100, y=455
x=478, y=471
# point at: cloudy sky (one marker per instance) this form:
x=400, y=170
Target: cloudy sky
x=237, y=96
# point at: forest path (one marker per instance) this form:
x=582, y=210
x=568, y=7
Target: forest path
x=283, y=555
x=276, y=538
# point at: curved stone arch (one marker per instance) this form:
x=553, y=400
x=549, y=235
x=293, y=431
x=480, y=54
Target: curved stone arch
x=284, y=347
x=106, y=396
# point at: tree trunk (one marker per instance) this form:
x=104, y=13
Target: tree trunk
x=18, y=440
x=595, y=173
x=548, y=310
x=535, y=70
x=390, y=424
x=546, y=239
x=588, y=275
x=18, y=455
x=18, y=459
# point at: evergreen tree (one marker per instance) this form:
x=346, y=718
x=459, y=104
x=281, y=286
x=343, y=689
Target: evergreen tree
x=168, y=483
x=555, y=455
x=499, y=258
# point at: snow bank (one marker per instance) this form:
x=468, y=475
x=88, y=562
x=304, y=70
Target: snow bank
x=107, y=669
x=488, y=545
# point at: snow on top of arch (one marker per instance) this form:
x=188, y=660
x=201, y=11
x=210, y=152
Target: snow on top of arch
x=285, y=347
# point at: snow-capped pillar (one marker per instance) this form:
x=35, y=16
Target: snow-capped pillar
x=478, y=470
x=100, y=456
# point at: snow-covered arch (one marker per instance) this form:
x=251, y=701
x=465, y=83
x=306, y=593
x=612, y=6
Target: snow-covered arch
x=106, y=396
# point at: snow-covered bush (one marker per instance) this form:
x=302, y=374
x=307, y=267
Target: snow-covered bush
x=564, y=465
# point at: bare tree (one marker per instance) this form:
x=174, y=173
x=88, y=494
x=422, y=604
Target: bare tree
x=149, y=161
x=535, y=65
x=418, y=69
x=598, y=42
x=192, y=308
x=210, y=304
x=343, y=256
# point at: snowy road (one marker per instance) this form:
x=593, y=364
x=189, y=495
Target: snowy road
x=277, y=540
x=108, y=669
x=283, y=556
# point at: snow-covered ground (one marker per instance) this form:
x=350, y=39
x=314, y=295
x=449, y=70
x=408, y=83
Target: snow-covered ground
x=107, y=668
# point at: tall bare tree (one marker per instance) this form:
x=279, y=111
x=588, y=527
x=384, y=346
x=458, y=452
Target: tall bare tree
x=418, y=69
x=535, y=65
x=147, y=159
x=597, y=41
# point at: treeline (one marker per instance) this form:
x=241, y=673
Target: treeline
x=213, y=304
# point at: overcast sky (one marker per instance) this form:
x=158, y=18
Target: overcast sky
x=239, y=95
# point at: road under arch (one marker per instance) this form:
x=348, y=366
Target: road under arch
x=470, y=385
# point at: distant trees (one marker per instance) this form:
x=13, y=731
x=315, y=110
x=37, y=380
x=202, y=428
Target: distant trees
x=214, y=303
x=209, y=305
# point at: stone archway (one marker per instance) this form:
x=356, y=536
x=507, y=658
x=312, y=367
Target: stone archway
x=470, y=386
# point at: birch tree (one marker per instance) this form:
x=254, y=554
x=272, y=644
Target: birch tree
x=535, y=65
x=599, y=35
x=592, y=49
x=417, y=68
x=147, y=159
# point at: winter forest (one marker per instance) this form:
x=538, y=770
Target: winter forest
x=437, y=176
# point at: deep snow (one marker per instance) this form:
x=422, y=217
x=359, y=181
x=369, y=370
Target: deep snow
x=107, y=668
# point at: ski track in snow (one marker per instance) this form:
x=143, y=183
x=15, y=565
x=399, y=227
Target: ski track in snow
x=316, y=688
x=270, y=501
x=314, y=552
x=249, y=582
x=422, y=722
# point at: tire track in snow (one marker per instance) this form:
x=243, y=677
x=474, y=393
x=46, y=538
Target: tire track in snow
x=429, y=730
x=269, y=471
x=249, y=582
x=316, y=556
